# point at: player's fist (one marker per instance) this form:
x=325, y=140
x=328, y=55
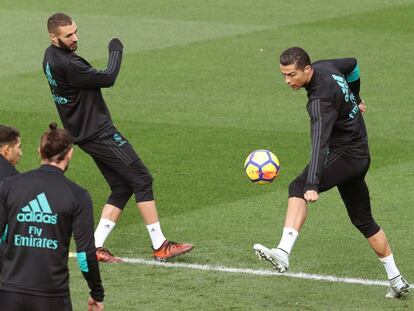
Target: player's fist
x=115, y=45
x=311, y=196
x=94, y=305
x=362, y=106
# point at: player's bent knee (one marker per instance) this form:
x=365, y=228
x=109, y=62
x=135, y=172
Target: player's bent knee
x=143, y=190
x=119, y=198
x=367, y=227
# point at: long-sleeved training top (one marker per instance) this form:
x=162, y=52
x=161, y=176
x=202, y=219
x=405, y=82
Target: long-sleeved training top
x=336, y=123
x=76, y=89
x=42, y=209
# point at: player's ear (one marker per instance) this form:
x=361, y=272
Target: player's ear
x=70, y=154
x=7, y=149
x=53, y=38
x=307, y=69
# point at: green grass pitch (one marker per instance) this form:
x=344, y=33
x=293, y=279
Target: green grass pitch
x=199, y=89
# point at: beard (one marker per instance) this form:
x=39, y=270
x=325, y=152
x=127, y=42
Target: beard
x=71, y=48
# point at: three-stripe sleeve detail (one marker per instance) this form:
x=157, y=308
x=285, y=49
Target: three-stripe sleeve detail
x=315, y=110
x=113, y=56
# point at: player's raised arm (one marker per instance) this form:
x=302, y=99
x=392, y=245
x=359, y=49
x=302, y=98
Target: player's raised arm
x=81, y=74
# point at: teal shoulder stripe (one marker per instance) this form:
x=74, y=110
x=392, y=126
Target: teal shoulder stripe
x=82, y=262
x=4, y=236
x=354, y=75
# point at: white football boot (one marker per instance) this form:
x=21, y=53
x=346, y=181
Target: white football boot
x=398, y=287
x=277, y=257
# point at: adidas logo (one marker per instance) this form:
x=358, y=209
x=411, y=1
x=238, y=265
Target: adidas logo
x=38, y=210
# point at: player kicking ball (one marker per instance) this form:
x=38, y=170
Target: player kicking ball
x=76, y=91
x=339, y=157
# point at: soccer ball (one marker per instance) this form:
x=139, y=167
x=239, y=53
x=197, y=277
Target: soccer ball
x=262, y=167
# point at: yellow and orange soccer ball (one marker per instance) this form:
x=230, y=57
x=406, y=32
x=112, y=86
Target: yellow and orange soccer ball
x=262, y=167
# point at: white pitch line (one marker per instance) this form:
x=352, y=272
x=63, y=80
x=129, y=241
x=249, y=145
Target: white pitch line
x=298, y=275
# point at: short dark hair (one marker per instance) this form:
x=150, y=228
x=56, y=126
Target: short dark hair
x=8, y=135
x=55, y=143
x=295, y=55
x=58, y=20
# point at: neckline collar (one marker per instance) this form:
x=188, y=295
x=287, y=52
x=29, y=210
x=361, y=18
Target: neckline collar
x=51, y=168
x=312, y=80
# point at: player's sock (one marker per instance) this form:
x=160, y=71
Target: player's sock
x=390, y=267
x=102, y=231
x=156, y=235
x=288, y=239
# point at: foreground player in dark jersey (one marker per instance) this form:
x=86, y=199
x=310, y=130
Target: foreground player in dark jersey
x=339, y=157
x=76, y=91
x=10, y=153
x=42, y=208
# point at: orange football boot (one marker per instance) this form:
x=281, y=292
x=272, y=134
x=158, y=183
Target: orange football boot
x=104, y=255
x=170, y=249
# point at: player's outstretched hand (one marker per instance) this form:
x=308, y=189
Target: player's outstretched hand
x=311, y=196
x=115, y=45
x=362, y=106
x=94, y=305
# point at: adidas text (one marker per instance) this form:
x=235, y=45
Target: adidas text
x=37, y=217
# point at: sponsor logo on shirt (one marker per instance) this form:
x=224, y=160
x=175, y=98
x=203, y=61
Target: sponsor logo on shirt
x=59, y=100
x=349, y=97
x=37, y=212
x=49, y=76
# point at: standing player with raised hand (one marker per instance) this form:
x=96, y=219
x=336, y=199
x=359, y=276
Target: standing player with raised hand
x=76, y=91
x=339, y=157
x=42, y=209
